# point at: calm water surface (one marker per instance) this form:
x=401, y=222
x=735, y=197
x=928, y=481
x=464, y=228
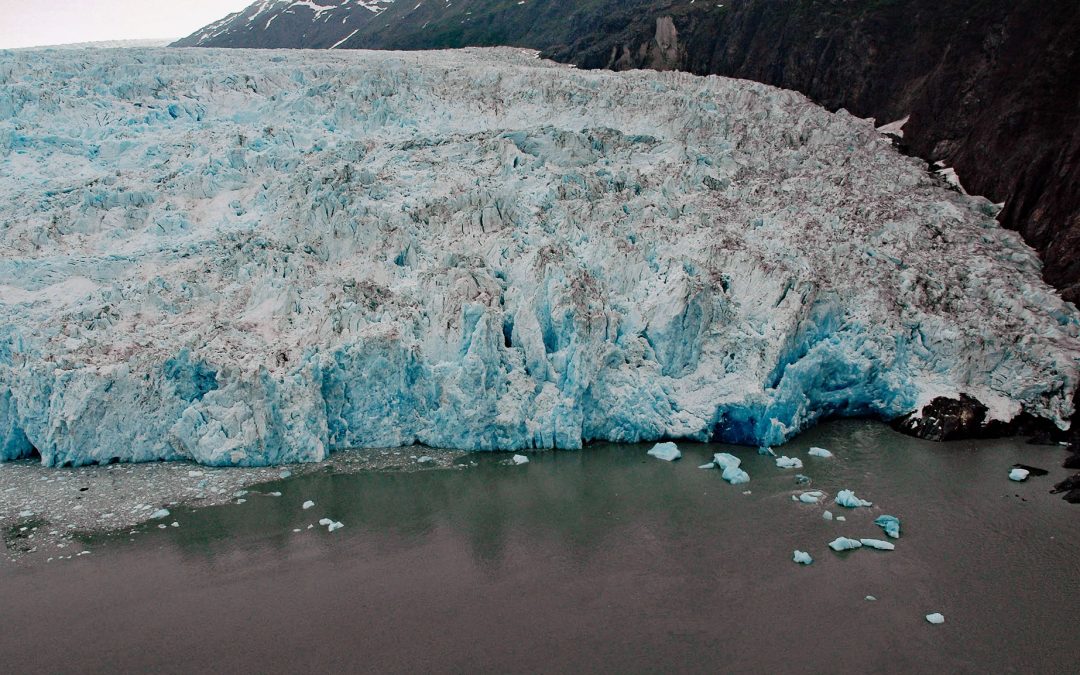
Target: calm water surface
x=595, y=561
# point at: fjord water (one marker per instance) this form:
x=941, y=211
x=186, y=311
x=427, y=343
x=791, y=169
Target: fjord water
x=603, y=560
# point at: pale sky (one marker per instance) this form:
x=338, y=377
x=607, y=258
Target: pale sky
x=29, y=23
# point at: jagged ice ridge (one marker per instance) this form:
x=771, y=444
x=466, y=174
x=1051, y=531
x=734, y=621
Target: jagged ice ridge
x=252, y=257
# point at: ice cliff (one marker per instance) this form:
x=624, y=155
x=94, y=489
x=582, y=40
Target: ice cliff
x=258, y=257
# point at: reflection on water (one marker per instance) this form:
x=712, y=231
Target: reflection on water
x=602, y=560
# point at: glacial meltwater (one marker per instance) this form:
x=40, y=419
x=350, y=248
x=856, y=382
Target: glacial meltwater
x=601, y=560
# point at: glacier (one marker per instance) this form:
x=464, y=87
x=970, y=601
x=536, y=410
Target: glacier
x=260, y=257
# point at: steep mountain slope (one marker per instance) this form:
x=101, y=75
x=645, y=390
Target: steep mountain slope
x=990, y=87
x=249, y=257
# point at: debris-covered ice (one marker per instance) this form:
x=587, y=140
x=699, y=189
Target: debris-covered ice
x=847, y=499
x=891, y=525
x=254, y=261
x=844, y=544
x=789, y=462
x=802, y=557
x=669, y=452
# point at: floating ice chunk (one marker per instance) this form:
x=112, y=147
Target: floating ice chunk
x=1019, y=475
x=725, y=460
x=522, y=459
x=273, y=494
x=25, y=514
x=827, y=515
x=844, y=544
x=878, y=544
x=669, y=452
x=871, y=598
x=812, y=497
x=325, y=521
x=819, y=452
x=891, y=525
x=334, y=526
x=241, y=501
x=802, y=557
x=162, y=526
x=801, y=479
x=710, y=465
x=175, y=524
x=789, y=462
x=735, y=475
x=847, y=498
x=285, y=474
x=195, y=474
x=426, y=460
x=159, y=514
x=308, y=504
x=935, y=618
x=841, y=518
x=767, y=451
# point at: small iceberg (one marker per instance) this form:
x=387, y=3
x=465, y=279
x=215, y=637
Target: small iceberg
x=844, y=544
x=847, y=498
x=522, y=459
x=334, y=526
x=1019, y=475
x=325, y=522
x=308, y=504
x=159, y=514
x=936, y=618
x=735, y=475
x=891, y=525
x=669, y=452
x=820, y=452
x=801, y=479
x=725, y=460
x=827, y=515
x=879, y=544
x=710, y=465
x=812, y=497
x=789, y=462
x=802, y=557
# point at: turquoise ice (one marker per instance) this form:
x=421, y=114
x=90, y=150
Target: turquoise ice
x=242, y=260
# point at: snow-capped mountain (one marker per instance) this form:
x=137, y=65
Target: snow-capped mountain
x=290, y=23
x=248, y=257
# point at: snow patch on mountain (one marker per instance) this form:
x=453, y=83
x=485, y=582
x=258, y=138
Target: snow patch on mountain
x=247, y=257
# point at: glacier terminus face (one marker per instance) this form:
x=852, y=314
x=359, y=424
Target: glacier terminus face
x=254, y=257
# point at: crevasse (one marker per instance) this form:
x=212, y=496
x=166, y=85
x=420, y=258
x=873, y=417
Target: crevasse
x=245, y=258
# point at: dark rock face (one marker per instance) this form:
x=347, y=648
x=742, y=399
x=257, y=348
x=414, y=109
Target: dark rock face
x=946, y=419
x=1071, y=487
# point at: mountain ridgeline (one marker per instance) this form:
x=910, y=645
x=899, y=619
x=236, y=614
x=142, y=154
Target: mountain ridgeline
x=990, y=87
